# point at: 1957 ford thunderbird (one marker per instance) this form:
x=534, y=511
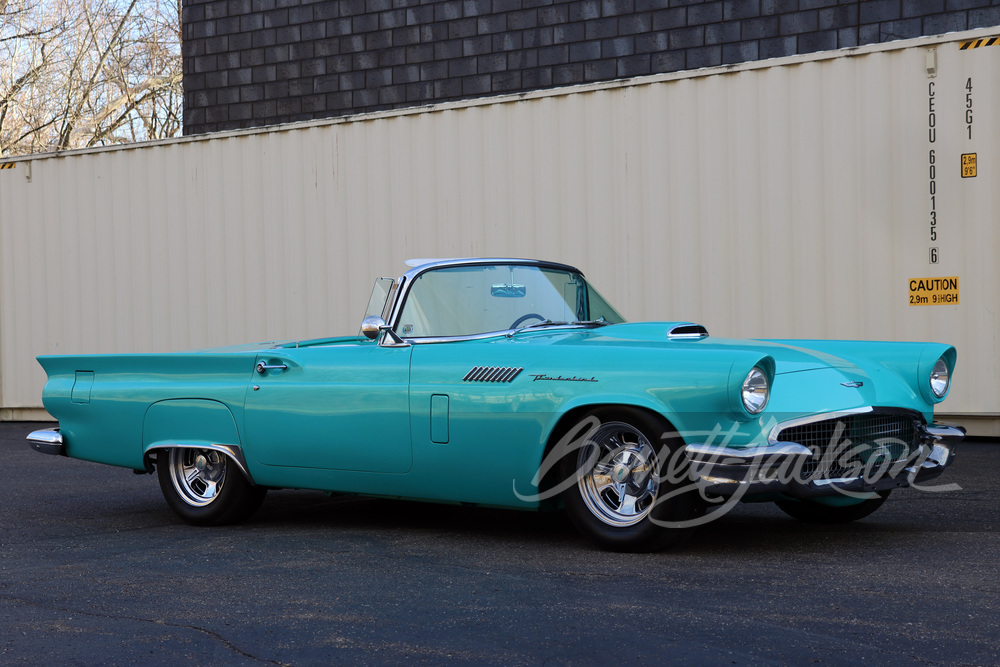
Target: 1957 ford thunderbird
x=513, y=383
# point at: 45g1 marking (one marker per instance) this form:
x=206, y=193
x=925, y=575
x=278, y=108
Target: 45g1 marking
x=968, y=106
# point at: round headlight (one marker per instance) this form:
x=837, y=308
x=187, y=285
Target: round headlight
x=940, y=378
x=755, y=391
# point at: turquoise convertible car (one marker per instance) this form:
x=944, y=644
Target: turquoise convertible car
x=513, y=383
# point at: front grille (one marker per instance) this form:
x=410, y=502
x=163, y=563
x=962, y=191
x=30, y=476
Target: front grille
x=854, y=445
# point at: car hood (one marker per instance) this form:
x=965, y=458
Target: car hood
x=790, y=356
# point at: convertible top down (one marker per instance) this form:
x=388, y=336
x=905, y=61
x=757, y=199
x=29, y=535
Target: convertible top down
x=514, y=383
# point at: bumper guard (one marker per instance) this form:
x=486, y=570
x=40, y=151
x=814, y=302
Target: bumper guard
x=777, y=467
x=47, y=441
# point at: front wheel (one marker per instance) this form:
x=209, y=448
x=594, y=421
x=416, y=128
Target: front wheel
x=204, y=487
x=617, y=494
x=814, y=512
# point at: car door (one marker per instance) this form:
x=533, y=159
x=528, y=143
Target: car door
x=342, y=406
x=478, y=424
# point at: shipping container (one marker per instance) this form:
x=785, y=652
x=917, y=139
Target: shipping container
x=845, y=194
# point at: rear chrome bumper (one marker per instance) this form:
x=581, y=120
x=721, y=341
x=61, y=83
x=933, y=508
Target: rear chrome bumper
x=47, y=441
x=778, y=468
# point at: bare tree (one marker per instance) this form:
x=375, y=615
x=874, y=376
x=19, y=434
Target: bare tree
x=78, y=73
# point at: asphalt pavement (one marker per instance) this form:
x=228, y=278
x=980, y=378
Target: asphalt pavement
x=94, y=569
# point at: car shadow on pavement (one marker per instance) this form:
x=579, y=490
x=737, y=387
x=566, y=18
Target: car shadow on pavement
x=759, y=529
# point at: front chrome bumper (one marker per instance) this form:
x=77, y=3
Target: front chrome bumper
x=777, y=468
x=47, y=441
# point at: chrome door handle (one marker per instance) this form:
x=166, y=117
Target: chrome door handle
x=263, y=368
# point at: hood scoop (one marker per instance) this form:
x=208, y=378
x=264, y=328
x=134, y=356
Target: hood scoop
x=687, y=331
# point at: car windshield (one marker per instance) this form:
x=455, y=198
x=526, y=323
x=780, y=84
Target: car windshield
x=468, y=300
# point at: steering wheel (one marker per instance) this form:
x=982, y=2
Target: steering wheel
x=525, y=318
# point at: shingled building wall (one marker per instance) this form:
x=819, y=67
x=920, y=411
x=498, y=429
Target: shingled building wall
x=260, y=62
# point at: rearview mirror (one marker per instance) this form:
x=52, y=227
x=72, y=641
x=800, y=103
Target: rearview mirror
x=508, y=291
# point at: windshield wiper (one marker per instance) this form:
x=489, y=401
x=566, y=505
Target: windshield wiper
x=599, y=322
x=543, y=323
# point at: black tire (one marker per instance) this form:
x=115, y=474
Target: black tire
x=813, y=512
x=205, y=488
x=615, y=492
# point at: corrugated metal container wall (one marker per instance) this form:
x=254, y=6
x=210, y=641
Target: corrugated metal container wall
x=783, y=199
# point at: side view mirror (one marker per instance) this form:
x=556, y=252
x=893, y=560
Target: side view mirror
x=371, y=326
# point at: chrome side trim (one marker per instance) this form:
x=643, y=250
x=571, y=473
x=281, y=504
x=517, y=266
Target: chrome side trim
x=429, y=340
x=47, y=441
x=234, y=452
x=772, y=437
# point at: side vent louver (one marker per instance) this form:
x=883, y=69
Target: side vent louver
x=492, y=374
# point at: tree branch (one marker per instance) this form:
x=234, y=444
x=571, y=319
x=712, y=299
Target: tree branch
x=89, y=87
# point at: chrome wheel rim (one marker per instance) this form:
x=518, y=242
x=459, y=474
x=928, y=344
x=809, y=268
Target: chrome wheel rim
x=198, y=475
x=617, y=474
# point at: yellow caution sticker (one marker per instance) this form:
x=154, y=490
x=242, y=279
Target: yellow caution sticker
x=934, y=291
x=976, y=43
x=968, y=165
x=7, y=165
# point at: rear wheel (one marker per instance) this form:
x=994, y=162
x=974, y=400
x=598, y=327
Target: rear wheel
x=205, y=488
x=617, y=495
x=817, y=512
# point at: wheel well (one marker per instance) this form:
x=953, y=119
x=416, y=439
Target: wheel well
x=233, y=452
x=572, y=418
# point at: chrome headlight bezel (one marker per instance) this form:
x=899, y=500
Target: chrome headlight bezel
x=755, y=391
x=940, y=378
